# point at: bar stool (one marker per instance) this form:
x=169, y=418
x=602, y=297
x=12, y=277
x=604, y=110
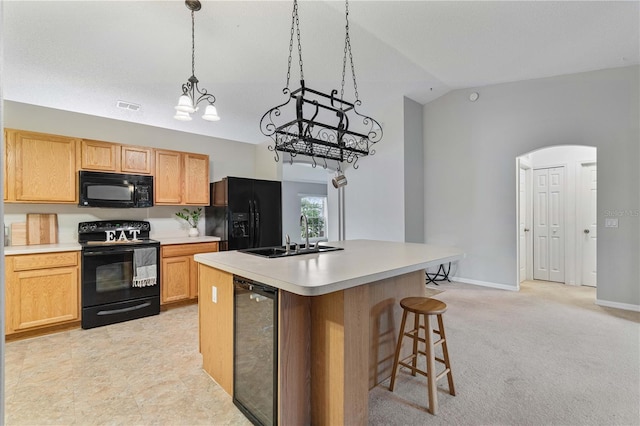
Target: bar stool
x=426, y=307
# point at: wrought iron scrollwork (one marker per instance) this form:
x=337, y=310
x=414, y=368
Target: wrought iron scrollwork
x=325, y=126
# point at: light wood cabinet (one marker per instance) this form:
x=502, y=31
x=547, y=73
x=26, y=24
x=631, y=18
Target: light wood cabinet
x=100, y=156
x=179, y=276
x=196, y=179
x=181, y=178
x=42, y=290
x=117, y=158
x=41, y=168
x=136, y=160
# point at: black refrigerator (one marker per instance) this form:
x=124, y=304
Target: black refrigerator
x=245, y=213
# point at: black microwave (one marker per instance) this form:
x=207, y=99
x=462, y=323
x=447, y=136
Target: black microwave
x=116, y=190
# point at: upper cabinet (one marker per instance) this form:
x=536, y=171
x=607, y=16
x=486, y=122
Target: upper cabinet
x=97, y=155
x=136, y=160
x=113, y=157
x=181, y=178
x=41, y=168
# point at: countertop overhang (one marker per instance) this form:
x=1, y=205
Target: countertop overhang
x=361, y=262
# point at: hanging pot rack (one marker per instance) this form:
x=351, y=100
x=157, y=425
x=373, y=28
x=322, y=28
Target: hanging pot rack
x=324, y=126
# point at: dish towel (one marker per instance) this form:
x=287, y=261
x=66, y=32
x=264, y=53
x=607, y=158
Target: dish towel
x=145, y=267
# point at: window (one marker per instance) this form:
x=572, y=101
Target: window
x=315, y=208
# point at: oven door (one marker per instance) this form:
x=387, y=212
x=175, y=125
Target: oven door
x=108, y=274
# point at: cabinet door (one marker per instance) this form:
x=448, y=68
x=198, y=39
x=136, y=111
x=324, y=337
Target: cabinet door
x=168, y=178
x=196, y=179
x=136, y=160
x=193, y=287
x=176, y=277
x=45, y=168
x=102, y=156
x=42, y=297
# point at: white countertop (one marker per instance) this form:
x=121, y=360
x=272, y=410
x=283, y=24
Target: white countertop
x=50, y=248
x=41, y=248
x=361, y=262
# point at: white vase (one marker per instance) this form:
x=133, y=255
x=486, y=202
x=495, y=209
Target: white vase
x=193, y=232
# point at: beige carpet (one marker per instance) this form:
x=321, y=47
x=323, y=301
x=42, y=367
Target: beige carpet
x=546, y=355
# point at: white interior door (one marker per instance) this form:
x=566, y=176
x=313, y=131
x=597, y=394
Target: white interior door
x=540, y=225
x=588, y=216
x=522, y=223
x=556, y=224
x=548, y=220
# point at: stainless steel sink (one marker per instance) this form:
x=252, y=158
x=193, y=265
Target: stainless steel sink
x=281, y=251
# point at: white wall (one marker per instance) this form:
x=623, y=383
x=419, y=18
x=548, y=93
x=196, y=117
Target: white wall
x=470, y=149
x=374, y=205
x=571, y=157
x=413, y=172
x=227, y=158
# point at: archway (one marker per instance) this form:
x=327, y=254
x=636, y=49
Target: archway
x=556, y=210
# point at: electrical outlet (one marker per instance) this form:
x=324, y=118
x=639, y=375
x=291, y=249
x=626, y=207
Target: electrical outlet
x=214, y=294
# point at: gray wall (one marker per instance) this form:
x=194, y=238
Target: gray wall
x=470, y=174
x=413, y=172
x=291, y=206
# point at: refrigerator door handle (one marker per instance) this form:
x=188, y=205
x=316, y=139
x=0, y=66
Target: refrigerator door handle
x=251, y=226
x=257, y=222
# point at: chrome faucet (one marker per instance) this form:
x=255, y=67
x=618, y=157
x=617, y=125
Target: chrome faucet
x=303, y=218
x=287, y=244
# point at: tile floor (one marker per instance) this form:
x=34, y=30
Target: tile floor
x=142, y=372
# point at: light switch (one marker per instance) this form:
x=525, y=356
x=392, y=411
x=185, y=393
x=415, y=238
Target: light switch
x=214, y=294
x=611, y=222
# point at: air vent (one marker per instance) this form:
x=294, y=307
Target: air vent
x=128, y=106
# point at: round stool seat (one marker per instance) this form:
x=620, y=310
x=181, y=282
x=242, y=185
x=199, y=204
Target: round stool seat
x=423, y=305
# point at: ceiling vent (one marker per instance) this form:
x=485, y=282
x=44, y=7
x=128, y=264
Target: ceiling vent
x=128, y=106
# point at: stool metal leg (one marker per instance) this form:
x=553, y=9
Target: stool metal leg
x=398, y=347
x=431, y=366
x=445, y=353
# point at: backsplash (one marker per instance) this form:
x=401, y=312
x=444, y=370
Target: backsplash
x=164, y=222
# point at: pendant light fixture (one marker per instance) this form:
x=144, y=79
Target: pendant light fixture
x=192, y=95
x=321, y=125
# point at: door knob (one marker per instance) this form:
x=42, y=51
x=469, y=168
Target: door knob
x=526, y=229
x=586, y=231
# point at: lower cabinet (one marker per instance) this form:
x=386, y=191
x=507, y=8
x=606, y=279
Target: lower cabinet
x=179, y=272
x=42, y=290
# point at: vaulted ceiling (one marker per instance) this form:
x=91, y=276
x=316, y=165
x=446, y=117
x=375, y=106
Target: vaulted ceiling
x=84, y=56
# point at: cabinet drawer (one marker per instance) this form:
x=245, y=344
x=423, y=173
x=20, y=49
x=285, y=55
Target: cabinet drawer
x=188, y=249
x=49, y=260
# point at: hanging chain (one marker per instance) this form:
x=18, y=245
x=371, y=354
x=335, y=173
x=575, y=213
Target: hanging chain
x=347, y=48
x=295, y=24
x=193, y=44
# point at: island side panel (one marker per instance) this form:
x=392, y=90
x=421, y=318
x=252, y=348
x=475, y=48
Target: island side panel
x=385, y=318
x=356, y=362
x=327, y=359
x=216, y=325
x=294, y=383
x=339, y=357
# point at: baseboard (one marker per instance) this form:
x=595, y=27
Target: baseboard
x=484, y=283
x=618, y=305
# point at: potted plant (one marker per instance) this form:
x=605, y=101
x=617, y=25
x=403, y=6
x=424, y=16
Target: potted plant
x=192, y=217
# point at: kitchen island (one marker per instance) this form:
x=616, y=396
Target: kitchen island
x=338, y=321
